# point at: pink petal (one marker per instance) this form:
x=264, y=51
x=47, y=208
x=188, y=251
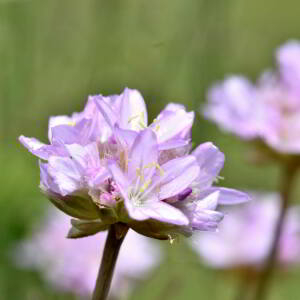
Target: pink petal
x=210, y=160
x=37, y=148
x=230, y=196
x=133, y=111
x=164, y=212
x=171, y=124
x=65, y=174
x=179, y=173
x=143, y=155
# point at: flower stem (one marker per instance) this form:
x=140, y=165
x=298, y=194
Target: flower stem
x=245, y=285
x=109, y=259
x=287, y=178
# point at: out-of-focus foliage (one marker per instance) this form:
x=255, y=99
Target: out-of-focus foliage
x=53, y=53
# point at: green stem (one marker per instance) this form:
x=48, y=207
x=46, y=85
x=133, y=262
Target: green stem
x=109, y=259
x=287, y=178
x=244, y=287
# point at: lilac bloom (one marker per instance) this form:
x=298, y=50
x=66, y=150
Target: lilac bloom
x=244, y=239
x=49, y=252
x=107, y=165
x=287, y=57
x=282, y=112
x=233, y=104
x=269, y=110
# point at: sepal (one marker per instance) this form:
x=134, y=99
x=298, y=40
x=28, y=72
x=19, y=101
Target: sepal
x=75, y=206
x=81, y=228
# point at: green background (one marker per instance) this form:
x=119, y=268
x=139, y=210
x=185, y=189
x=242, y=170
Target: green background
x=53, y=53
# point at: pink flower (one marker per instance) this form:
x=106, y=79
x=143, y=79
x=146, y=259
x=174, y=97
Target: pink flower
x=107, y=165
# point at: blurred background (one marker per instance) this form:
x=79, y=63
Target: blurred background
x=54, y=53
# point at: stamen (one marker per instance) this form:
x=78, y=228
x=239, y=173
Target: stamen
x=172, y=239
x=157, y=166
x=138, y=119
x=132, y=118
x=218, y=178
x=145, y=186
x=72, y=123
x=140, y=173
x=124, y=160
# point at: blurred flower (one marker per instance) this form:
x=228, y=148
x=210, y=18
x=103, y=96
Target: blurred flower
x=269, y=110
x=244, y=239
x=107, y=165
x=72, y=265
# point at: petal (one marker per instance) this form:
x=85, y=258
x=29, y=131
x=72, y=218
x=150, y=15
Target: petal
x=230, y=196
x=65, y=174
x=108, y=114
x=164, y=212
x=179, y=173
x=65, y=134
x=77, y=134
x=37, y=148
x=173, y=107
x=125, y=137
x=99, y=129
x=171, y=124
x=133, y=111
x=143, y=156
x=85, y=157
x=206, y=215
x=174, y=143
x=204, y=226
x=135, y=212
x=119, y=177
x=210, y=202
x=56, y=121
x=210, y=160
x=46, y=181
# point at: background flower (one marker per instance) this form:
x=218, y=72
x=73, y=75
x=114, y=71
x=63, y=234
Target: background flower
x=269, y=110
x=72, y=264
x=244, y=239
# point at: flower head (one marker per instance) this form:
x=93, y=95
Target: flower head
x=244, y=240
x=75, y=271
x=269, y=110
x=107, y=165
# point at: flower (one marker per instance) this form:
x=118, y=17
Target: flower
x=244, y=239
x=269, y=110
x=72, y=271
x=107, y=165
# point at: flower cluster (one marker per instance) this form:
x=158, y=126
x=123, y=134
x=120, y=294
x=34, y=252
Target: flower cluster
x=107, y=165
x=244, y=240
x=269, y=110
x=51, y=253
